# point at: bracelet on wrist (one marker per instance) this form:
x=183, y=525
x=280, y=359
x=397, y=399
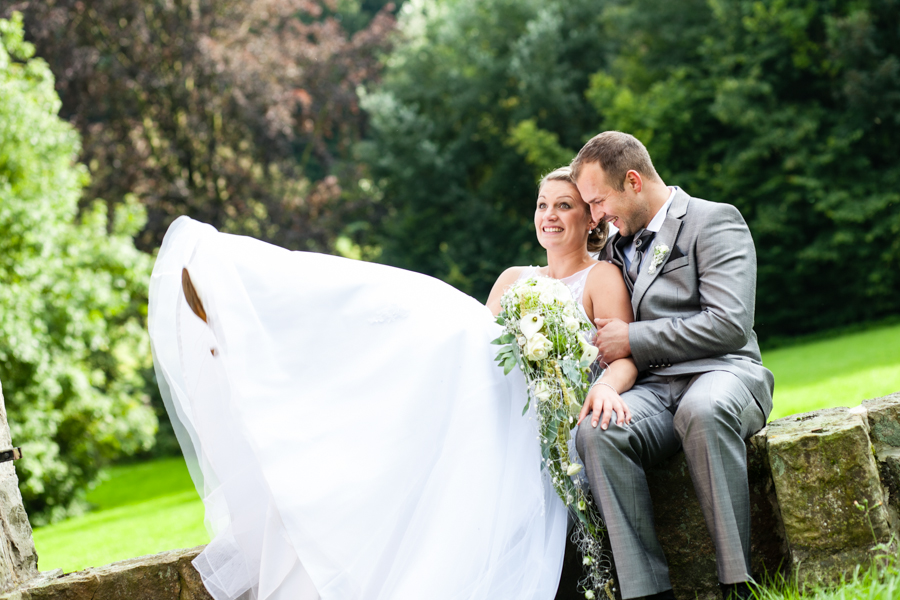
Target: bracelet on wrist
x=598, y=382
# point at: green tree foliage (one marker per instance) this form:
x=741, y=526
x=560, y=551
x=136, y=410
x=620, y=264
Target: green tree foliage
x=790, y=110
x=787, y=109
x=240, y=113
x=72, y=298
x=453, y=149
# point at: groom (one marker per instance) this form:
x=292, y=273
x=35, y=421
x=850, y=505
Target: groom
x=690, y=265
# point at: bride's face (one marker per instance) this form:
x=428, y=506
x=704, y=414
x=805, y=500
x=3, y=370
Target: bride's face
x=561, y=219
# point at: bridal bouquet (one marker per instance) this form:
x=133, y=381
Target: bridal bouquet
x=545, y=335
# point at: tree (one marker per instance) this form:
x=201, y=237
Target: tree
x=241, y=113
x=789, y=110
x=465, y=87
x=72, y=298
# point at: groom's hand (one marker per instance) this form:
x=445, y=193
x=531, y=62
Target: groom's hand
x=612, y=339
x=602, y=401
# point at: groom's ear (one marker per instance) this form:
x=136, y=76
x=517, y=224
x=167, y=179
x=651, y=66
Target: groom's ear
x=634, y=181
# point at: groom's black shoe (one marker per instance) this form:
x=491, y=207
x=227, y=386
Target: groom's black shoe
x=666, y=595
x=736, y=591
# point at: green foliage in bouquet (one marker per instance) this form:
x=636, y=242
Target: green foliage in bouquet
x=73, y=292
x=545, y=336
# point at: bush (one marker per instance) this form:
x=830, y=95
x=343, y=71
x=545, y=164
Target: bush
x=73, y=291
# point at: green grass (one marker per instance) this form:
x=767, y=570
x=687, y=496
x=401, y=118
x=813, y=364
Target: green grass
x=140, y=509
x=842, y=371
x=152, y=507
x=869, y=584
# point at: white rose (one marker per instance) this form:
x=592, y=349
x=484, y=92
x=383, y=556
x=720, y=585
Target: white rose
x=542, y=391
x=531, y=324
x=571, y=324
x=537, y=347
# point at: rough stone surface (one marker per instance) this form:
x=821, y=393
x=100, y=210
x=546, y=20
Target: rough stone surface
x=166, y=576
x=18, y=559
x=821, y=464
x=883, y=415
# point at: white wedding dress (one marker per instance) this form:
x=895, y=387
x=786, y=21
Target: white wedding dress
x=348, y=429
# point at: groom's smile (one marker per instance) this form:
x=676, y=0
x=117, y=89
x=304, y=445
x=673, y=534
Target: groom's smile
x=623, y=209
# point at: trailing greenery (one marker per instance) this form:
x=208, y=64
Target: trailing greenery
x=73, y=293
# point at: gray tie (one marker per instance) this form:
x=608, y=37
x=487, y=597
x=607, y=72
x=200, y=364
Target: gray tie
x=644, y=238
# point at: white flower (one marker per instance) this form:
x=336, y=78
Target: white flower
x=589, y=595
x=659, y=255
x=573, y=469
x=521, y=340
x=537, y=347
x=587, y=560
x=571, y=323
x=553, y=290
x=542, y=391
x=531, y=324
x=589, y=353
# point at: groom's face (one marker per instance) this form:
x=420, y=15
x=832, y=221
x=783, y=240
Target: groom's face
x=621, y=209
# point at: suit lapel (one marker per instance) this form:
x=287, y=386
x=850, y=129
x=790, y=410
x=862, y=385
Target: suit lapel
x=667, y=236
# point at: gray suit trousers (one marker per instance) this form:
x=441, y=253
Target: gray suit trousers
x=709, y=415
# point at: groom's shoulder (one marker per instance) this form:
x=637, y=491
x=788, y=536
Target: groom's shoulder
x=708, y=209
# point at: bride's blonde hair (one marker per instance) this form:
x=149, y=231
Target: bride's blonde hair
x=597, y=237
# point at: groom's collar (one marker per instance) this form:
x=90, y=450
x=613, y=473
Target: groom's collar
x=679, y=205
x=656, y=222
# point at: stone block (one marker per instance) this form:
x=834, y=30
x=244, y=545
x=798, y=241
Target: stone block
x=165, y=576
x=822, y=466
x=18, y=558
x=883, y=416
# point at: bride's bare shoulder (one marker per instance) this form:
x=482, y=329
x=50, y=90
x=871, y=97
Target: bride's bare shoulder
x=506, y=279
x=604, y=271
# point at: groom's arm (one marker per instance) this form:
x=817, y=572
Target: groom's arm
x=726, y=270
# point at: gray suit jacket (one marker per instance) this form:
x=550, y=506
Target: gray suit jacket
x=694, y=314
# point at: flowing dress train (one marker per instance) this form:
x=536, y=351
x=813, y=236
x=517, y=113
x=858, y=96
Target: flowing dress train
x=348, y=429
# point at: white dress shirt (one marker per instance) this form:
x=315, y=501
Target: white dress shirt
x=655, y=225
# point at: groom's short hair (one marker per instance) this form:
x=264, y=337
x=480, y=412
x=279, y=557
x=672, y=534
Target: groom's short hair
x=617, y=153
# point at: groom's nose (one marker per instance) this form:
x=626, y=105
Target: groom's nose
x=597, y=213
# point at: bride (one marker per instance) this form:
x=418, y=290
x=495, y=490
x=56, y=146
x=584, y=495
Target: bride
x=346, y=426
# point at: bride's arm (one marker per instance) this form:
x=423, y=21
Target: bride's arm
x=506, y=279
x=606, y=297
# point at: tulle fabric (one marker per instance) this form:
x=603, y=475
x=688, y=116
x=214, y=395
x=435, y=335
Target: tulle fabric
x=348, y=430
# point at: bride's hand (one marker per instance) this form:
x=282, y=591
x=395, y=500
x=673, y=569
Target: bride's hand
x=602, y=400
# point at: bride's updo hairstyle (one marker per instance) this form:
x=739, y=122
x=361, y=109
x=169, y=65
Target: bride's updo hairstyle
x=597, y=237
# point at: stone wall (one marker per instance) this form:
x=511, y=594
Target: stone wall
x=166, y=576
x=18, y=559
x=824, y=486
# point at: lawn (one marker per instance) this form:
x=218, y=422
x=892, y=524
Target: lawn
x=140, y=509
x=841, y=371
x=152, y=507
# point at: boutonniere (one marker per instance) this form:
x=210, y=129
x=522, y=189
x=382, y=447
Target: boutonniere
x=659, y=255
